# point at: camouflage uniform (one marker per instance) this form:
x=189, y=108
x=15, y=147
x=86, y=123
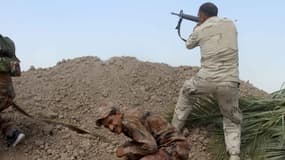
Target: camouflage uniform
x=152, y=135
x=218, y=76
x=7, y=95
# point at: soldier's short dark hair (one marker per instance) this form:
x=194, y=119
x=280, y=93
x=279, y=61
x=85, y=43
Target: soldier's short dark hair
x=106, y=111
x=210, y=9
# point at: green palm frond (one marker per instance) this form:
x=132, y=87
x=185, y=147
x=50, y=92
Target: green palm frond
x=275, y=151
x=263, y=127
x=263, y=133
x=280, y=93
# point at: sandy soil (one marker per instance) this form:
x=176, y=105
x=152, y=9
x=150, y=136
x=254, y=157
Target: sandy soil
x=72, y=91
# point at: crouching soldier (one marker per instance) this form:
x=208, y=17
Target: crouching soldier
x=9, y=66
x=152, y=137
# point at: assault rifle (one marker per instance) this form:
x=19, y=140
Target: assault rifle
x=182, y=16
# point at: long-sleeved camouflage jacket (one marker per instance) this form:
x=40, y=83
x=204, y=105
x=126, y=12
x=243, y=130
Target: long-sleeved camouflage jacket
x=148, y=132
x=7, y=92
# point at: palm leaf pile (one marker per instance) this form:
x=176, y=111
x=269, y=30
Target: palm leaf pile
x=263, y=127
x=280, y=93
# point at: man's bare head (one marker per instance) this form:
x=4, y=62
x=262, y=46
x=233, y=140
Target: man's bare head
x=111, y=118
x=206, y=11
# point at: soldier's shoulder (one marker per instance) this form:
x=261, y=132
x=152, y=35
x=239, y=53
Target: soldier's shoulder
x=226, y=20
x=136, y=111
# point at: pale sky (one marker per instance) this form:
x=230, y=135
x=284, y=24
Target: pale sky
x=46, y=32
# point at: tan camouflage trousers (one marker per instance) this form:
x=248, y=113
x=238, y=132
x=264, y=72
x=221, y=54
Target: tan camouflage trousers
x=7, y=95
x=227, y=95
x=7, y=127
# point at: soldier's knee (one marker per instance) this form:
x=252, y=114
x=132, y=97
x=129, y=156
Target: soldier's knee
x=232, y=112
x=236, y=116
x=188, y=90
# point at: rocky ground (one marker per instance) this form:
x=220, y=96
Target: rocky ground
x=72, y=91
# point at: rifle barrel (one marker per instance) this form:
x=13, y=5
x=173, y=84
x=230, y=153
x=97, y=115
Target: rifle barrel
x=186, y=16
x=176, y=14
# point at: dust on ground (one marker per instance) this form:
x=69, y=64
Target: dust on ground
x=72, y=91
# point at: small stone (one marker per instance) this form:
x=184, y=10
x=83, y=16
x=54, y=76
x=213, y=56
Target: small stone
x=63, y=155
x=60, y=116
x=39, y=142
x=66, y=136
x=48, y=114
x=49, y=151
x=81, y=152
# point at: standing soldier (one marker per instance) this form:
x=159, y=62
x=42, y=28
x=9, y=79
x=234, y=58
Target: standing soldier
x=152, y=137
x=218, y=76
x=9, y=66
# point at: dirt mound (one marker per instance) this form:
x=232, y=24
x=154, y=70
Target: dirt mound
x=72, y=91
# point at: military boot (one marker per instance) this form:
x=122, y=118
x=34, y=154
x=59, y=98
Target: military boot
x=16, y=137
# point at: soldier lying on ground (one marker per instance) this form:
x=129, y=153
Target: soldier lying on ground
x=152, y=137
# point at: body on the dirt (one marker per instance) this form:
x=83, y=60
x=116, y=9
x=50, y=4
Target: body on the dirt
x=151, y=136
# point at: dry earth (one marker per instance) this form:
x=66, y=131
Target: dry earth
x=72, y=91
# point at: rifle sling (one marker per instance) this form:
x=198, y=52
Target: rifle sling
x=178, y=29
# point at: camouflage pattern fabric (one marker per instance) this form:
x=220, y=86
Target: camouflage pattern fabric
x=227, y=95
x=218, y=77
x=217, y=38
x=7, y=95
x=9, y=63
x=7, y=47
x=152, y=136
